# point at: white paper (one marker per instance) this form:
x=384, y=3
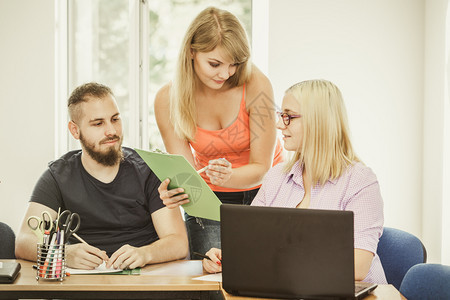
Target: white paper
x=175, y=268
x=100, y=269
x=211, y=277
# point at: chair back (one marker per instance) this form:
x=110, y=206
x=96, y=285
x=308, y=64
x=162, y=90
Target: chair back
x=427, y=281
x=399, y=251
x=7, y=242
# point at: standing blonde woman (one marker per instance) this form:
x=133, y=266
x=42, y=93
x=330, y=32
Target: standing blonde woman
x=324, y=173
x=218, y=112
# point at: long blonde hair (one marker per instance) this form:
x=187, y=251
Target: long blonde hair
x=326, y=150
x=211, y=28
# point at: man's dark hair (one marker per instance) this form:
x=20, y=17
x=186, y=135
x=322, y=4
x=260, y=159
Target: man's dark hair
x=82, y=94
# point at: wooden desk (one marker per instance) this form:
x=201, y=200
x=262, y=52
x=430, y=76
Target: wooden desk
x=382, y=292
x=168, y=280
x=171, y=280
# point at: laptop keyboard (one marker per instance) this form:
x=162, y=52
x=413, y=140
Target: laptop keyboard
x=359, y=286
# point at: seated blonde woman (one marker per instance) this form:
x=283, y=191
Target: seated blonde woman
x=324, y=172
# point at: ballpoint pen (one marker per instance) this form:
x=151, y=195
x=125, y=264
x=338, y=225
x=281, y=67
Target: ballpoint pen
x=204, y=256
x=79, y=238
x=202, y=170
x=206, y=168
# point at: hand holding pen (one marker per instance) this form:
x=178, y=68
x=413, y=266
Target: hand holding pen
x=212, y=261
x=219, y=171
x=81, y=255
x=84, y=256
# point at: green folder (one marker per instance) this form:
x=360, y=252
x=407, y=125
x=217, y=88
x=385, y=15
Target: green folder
x=203, y=202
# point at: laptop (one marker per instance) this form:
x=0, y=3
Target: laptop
x=275, y=252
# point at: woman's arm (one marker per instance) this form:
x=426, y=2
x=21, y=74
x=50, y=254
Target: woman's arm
x=173, y=143
x=364, y=199
x=363, y=261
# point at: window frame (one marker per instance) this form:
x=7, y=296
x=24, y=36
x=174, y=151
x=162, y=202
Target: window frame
x=138, y=135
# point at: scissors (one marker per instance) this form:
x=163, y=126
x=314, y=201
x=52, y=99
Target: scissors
x=41, y=226
x=70, y=225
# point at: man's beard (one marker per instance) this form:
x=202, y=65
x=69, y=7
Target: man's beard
x=109, y=158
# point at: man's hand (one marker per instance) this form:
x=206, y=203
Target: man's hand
x=172, y=198
x=128, y=257
x=84, y=256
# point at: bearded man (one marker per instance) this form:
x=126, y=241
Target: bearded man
x=123, y=220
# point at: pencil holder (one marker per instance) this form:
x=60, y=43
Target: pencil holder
x=51, y=262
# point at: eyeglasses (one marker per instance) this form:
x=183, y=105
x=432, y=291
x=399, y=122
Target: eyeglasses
x=287, y=117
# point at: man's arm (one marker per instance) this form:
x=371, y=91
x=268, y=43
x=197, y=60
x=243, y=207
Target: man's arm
x=46, y=197
x=26, y=241
x=77, y=256
x=172, y=243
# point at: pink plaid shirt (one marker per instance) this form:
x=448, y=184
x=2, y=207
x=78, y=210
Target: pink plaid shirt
x=356, y=190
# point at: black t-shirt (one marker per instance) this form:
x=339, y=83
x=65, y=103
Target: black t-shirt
x=112, y=214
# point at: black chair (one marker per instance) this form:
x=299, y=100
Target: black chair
x=399, y=251
x=7, y=242
x=427, y=281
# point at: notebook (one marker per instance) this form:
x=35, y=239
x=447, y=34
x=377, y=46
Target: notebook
x=277, y=252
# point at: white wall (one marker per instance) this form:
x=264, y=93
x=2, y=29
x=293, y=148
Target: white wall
x=446, y=163
x=433, y=156
x=26, y=101
x=374, y=52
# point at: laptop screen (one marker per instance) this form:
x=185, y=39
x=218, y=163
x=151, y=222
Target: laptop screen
x=287, y=252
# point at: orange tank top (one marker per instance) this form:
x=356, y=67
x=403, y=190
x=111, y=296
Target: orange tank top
x=231, y=143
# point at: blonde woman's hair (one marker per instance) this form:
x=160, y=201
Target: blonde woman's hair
x=326, y=150
x=211, y=28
